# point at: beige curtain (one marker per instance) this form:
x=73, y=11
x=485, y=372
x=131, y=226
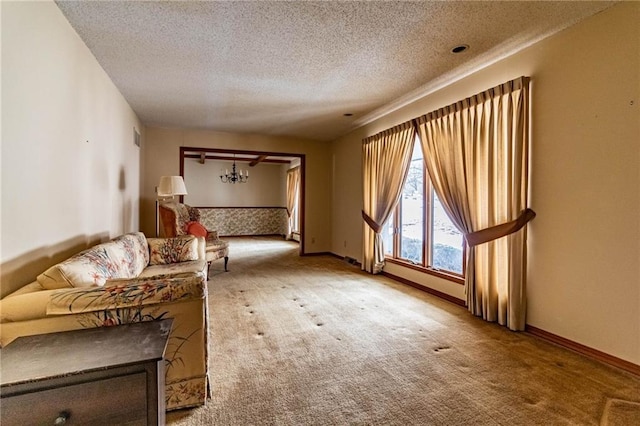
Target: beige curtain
x=385, y=164
x=293, y=187
x=476, y=152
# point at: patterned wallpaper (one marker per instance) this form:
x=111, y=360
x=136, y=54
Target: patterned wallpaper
x=245, y=220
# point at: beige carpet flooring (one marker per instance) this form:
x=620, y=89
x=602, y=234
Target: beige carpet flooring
x=314, y=341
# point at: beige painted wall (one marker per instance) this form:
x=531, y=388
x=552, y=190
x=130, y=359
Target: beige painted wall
x=584, y=262
x=70, y=170
x=266, y=186
x=161, y=156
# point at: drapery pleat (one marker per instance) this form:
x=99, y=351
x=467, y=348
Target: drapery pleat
x=293, y=187
x=385, y=164
x=476, y=152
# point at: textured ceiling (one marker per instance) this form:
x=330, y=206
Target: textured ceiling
x=294, y=68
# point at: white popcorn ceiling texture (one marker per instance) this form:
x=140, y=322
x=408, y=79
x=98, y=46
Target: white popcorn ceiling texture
x=294, y=68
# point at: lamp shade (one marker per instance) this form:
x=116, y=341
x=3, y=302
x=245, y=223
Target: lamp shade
x=171, y=185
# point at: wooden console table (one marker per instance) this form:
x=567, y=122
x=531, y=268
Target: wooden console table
x=105, y=375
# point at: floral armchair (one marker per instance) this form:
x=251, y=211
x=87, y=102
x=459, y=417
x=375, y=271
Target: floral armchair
x=181, y=219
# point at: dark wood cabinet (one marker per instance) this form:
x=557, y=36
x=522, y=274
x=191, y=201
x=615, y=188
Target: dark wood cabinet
x=107, y=375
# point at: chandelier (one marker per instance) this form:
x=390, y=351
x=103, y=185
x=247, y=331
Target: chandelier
x=234, y=176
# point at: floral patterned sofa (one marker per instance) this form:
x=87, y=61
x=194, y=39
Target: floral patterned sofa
x=125, y=280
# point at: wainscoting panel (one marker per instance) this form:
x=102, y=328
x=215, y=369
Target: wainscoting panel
x=245, y=220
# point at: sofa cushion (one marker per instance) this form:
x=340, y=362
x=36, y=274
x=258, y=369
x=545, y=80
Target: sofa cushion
x=194, y=266
x=52, y=279
x=172, y=250
x=123, y=257
x=134, y=256
x=121, y=295
x=94, y=266
x=90, y=267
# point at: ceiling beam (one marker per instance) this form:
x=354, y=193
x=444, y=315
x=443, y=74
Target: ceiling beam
x=260, y=159
x=236, y=159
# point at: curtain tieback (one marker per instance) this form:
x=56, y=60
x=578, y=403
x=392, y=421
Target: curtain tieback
x=372, y=223
x=499, y=231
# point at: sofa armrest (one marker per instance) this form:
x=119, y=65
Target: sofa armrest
x=127, y=293
x=24, y=307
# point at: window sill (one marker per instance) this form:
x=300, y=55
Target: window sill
x=435, y=272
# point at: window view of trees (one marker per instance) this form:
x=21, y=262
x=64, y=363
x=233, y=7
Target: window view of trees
x=420, y=231
x=412, y=210
x=448, y=243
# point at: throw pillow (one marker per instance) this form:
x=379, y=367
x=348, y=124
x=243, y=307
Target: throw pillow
x=121, y=257
x=172, y=250
x=197, y=229
x=91, y=267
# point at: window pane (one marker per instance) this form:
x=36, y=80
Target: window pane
x=387, y=236
x=447, y=241
x=295, y=214
x=296, y=218
x=412, y=210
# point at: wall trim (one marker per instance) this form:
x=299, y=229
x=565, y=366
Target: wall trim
x=240, y=207
x=253, y=235
x=426, y=270
x=426, y=289
x=581, y=349
x=319, y=253
x=584, y=350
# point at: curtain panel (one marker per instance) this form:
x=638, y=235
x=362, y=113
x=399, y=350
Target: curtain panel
x=293, y=188
x=385, y=163
x=476, y=153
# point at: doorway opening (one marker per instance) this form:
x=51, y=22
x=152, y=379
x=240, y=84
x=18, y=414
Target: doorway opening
x=264, y=199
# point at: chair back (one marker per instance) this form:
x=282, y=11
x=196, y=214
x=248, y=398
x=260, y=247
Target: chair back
x=174, y=218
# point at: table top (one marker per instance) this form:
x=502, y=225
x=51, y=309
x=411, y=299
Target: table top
x=46, y=356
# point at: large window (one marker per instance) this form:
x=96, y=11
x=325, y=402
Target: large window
x=420, y=232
